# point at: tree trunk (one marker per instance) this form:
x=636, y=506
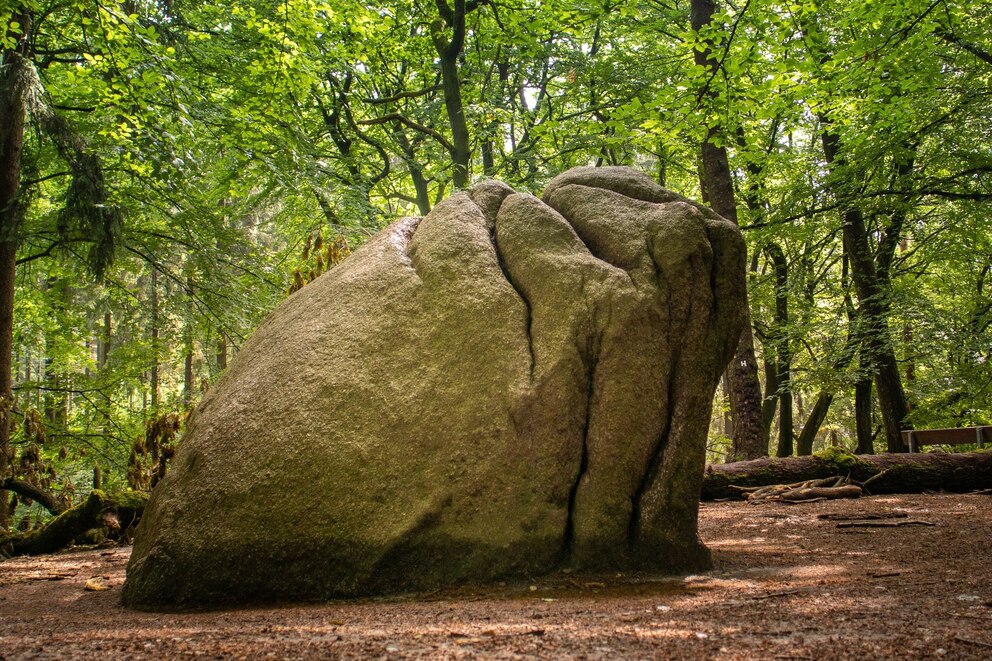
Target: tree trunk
x=153, y=385
x=728, y=421
x=8, y=252
x=749, y=440
x=804, y=445
x=421, y=186
x=188, y=384
x=770, y=403
x=106, y=336
x=448, y=51
x=824, y=399
x=783, y=353
x=12, y=118
x=488, y=164
x=862, y=409
x=873, y=308
x=904, y=473
x=221, y=353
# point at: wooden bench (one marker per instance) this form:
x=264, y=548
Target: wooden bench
x=915, y=438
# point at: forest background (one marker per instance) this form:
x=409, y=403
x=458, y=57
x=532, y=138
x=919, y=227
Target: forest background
x=171, y=170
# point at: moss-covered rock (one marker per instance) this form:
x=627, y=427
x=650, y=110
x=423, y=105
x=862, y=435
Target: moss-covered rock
x=502, y=388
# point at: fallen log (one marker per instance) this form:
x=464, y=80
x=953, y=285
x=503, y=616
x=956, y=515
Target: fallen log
x=882, y=473
x=115, y=511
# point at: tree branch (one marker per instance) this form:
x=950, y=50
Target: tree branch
x=27, y=490
x=403, y=95
x=974, y=49
x=396, y=117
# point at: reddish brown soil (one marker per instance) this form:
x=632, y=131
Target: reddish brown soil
x=788, y=585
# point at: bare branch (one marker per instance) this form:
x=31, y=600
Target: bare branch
x=403, y=95
x=396, y=117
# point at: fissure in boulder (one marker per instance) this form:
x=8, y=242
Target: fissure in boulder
x=462, y=399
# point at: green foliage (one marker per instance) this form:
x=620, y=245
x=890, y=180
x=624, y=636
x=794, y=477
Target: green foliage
x=205, y=142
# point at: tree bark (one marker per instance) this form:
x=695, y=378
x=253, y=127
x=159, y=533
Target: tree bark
x=728, y=421
x=221, y=352
x=783, y=353
x=862, y=409
x=12, y=119
x=804, y=445
x=188, y=384
x=448, y=51
x=188, y=376
x=154, y=385
x=824, y=399
x=904, y=473
x=770, y=403
x=44, y=498
x=749, y=440
x=420, y=184
x=873, y=307
x=106, y=337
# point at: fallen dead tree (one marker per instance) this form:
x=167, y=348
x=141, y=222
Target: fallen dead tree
x=113, y=513
x=888, y=473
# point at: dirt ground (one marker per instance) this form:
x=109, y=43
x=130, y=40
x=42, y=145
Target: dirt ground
x=791, y=582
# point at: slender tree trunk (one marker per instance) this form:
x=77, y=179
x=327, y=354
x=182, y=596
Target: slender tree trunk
x=749, y=441
x=221, y=353
x=770, y=403
x=862, y=408
x=106, y=339
x=103, y=351
x=488, y=164
x=188, y=384
x=12, y=118
x=153, y=380
x=804, y=445
x=728, y=421
x=421, y=187
x=873, y=310
x=448, y=51
x=8, y=258
x=783, y=353
x=824, y=399
x=420, y=183
x=785, y=422
x=456, y=118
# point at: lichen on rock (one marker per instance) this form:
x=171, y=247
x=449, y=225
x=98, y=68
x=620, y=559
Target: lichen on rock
x=505, y=387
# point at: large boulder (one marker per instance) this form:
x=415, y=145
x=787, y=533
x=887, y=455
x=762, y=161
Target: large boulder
x=505, y=387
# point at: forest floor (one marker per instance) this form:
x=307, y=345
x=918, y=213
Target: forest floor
x=791, y=582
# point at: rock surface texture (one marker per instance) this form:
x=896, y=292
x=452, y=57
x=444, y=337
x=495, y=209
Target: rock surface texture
x=505, y=387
